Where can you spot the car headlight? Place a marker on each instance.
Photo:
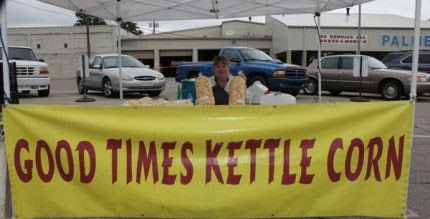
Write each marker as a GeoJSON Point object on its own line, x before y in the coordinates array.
{"type": "Point", "coordinates": [44, 71]}
{"type": "Point", "coordinates": [126, 77]}
{"type": "Point", "coordinates": [160, 77]}
{"type": "Point", "coordinates": [279, 74]}
{"type": "Point", "coordinates": [421, 78]}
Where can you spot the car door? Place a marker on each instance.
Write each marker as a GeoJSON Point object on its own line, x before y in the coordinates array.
{"type": "Point", "coordinates": [329, 73]}
{"type": "Point", "coordinates": [94, 72]}
{"type": "Point", "coordinates": [347, 81]}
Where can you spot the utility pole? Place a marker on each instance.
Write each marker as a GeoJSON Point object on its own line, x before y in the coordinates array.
{"type": "Point", "coordinates": [88, 35]}
{"type": "Point", "coordinates": [153, 25]}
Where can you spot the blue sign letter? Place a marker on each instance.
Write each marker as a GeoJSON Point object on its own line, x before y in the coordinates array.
{"type": "Point", "coordinates": [385, 39]}
{"type": "Point", "coordinates": [395, 41]}
{"type": "Point", "coordinates": [427, 41]}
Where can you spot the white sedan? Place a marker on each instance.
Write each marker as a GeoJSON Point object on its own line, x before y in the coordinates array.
{"type": "Point", "coordinates": [104, 76]}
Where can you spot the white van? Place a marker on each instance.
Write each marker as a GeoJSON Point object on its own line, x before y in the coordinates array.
{"type": "Point", "coordinates": [32, 73]}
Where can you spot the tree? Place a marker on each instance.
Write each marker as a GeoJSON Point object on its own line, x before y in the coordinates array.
{"type": "Point", "coordinates": [85, 19]}
{"type": "Point", "coordinates": [131, 27]}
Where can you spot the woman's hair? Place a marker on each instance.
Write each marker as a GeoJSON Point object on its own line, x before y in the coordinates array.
{"type": "Point", "coordinates": [220, 60]}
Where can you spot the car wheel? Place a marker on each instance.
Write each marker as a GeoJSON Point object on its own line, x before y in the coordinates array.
{"type": "Point", "coordinates": [81, 86]}
{"type": "Point", "coordinates": [43, 93]}
{"type": "Point", "coordinates": [154, 93]}
{"type": "Point", "coordinates": [107, 87]}
{"type": "Point", "coordinates": [391, 90]}
{"type": "Point", "coordinates": [261, 79]}
{"type": "Point", "coordinates": [335, 92]}
{"type": "Point", "coordinates": [311, 87]}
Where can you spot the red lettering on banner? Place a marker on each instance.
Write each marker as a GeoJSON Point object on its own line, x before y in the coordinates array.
{"type": "Point", "coordinates": [186, 162]}
{"type": "Point", "coordinates": [395, 159]}
{"type": "Point", "coordinates": [271, 144]}
{"type": "Point", "coordinates": [306, 178]}
{"type": "Point", "coordinates": [355, 143]}
{"type": "Point", "coordinates": [147, 160]}
{"type": "Point", "coordinates": [65, 146]}
{"type": "Point", "coordinates": [168, 179]}
{"type": "Point", "coordinates": [287, 177]}
{"type": "Point", "coordinates": [129, 161]}
{"type": "Point", "coordinates": [26, 175]}
{"type": "Point", "coordinates": [85, 147]}
{"type": "Point", "coordinates": [232, 178]}
{"type": "Point", "coordinates": [45, 177]}
{"type": "Point", "coordinates": [114, 145]}
{"type": "Point", "coordinates": [43, 151]}
{"type": "Point", "coordinates": [333, 175]}
{"type": "Point", "coordinates": [212, 161]}
{"type": "Point", "coordinates": [252, 146]}
{"type": "Point", "coordinates": [372, 161]}
{"type": "Point", "coordinates": [47, 159]}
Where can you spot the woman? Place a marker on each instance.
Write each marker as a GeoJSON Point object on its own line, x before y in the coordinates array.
{"type": "Point", "coordinates": [221, 80]}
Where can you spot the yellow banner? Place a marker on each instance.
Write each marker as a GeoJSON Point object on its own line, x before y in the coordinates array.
{"type": "Point", "coordinates": [337, 159]}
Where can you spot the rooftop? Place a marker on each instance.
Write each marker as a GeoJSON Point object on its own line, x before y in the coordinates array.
{"type": "Point", "coordinates": [343, 20]}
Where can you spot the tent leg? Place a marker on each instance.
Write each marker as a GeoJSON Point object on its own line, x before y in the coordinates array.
{"type": "Point", "coordinates": [6, 90]}
{"type": "Point", "coordinates": [319, 57]}
{"type": "Point", "coordinates": [413, 91]}
{"type": "Point", "coordinates": [118, 36]}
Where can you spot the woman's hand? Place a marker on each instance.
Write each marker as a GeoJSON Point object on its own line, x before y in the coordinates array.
{"type": "Point", "coordinates": [242, 75]}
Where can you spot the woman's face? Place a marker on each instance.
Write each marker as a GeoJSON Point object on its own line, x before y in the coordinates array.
{"type": "Point", "coordinates": [221, 71]}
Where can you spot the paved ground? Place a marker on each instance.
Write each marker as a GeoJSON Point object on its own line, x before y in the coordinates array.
{"type": "Point", "coordinates": [64, 92]}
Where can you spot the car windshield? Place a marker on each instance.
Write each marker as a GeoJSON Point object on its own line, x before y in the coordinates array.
{"type": "Point", "coordinates": [127, 62]}
{"type": "Point", "coordinates": [250, 54]}
{"type": "Point", "coordinates": [376, 64]}
{"type": "Point", "coordinates": [20, 54]}
{"type": "Point", "coordinates": [390, 57]}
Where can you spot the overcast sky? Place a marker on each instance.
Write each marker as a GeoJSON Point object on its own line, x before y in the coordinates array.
{"type": "Point", "coordinates": [31, 13]}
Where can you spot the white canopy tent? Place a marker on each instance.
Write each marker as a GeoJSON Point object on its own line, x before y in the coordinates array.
{"type": "Point", "coordinates": [150, 10]}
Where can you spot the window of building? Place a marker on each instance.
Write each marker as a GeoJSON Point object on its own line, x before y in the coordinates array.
{"type": "Point", "coordinates": [38, 46]}
{"type": "Point", "coordinates": [66, 46]}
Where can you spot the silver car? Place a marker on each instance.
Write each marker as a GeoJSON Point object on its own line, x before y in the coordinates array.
{"type": "Point", "coordinates": [337, 76]}
{"type": "Point", "coordinates": [136, 77]}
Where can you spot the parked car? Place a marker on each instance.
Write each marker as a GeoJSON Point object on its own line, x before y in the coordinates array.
{"type": "Point", "coordinates": [403, 60]}
{"type": "Point", "coordinates": [32, 73]}
{"type": "Point", "coordinates": [256, 65]}
{"type": "Point", "coordinates": [136, 77]}
{"type": "Point", "coordinates": [337, 76]}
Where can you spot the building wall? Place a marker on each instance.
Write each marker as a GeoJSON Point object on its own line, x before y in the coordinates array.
{"type": "Point", "coordinates": [242, 29]}
{"type": "Point", "coordinates": [192, 33]}
{"type": "Point", "coordinates": [49, 43]}
{"type": "Point", "coordinates": [287, 39]}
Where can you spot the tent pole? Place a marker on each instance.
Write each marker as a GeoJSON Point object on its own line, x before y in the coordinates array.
{"type": "Point", "coordinates": [413, 92]}
{"type": "Point", "coordinates": [118, 36]}
{"type": "Point", "coordinates": [319, 57]}
{"type": "Point", "coordinates": [6, 83]}
{"type": "Point", "coordinates": [6, 90]}
{"type": "Point", "coordinates": [359, 31]}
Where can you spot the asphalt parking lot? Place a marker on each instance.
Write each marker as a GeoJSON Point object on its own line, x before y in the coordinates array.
{"type": "Point", "coordinates": [64, 91]}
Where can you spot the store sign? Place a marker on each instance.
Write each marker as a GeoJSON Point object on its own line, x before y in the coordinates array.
{"type": "Point", "coordinates": [343, 39]}
{"type": "Point", "coordinates": [300, 160]}
{"type": "Point", "coordinates": [403, 40]}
